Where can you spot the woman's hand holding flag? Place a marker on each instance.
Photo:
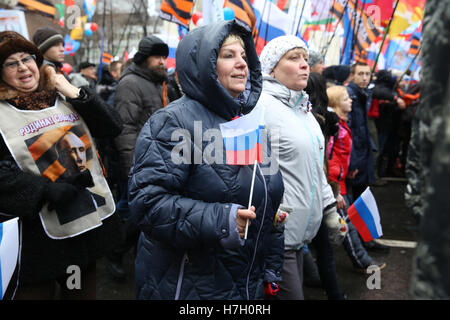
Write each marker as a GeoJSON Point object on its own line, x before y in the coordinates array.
{"type": "Point", "coordinates": [244, 215]}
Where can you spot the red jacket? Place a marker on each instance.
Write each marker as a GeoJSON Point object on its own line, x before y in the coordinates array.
{"type": "Point", "coordinates": [339, 150]}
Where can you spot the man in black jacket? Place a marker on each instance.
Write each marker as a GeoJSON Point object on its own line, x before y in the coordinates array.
{"type": "Point", "coordinates": [139, 94]}
{"type": "Point", "coordinates": [391, 107]}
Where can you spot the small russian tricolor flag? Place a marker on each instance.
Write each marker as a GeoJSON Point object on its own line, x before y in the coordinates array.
{"type": "Point", "coordinates": [364, 215]}
{"type": "Point", "coordinates": [243, 139]}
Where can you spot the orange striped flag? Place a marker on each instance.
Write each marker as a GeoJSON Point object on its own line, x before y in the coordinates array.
{"type": "Point", "coordinates": [107, 58]}
{"type": "Point", "coordinates": [338, 8]}
{"type": "Point", "coordinates": [178, 11]}
{"type": "Point", "coordinates": [415, 44]}
{"type": "Point", "coordinates": [359, 22]}
{"type": "Point", "coordinates": [243, 11]}
{"type": "Point", "coordinates": [41, 6]}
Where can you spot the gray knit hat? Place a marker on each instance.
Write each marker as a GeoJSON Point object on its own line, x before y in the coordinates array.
{"type": "Point", "coordinates": [314, 58]}
{"type": "Point", "coordinates": [45, 38]}
{"type": "Point", "coordinates": [276, 49]}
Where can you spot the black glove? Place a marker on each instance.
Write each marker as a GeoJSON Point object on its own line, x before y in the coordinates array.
{"type": "Point", "coordinates": [331, 123]}
{"type": "Point", "coordinates": [81, 180]}
{"type": "Point", "coordinates": [58, 194]}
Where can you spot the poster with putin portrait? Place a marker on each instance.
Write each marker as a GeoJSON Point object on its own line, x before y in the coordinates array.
{"type": "Point", "coordinates": [56, 144]}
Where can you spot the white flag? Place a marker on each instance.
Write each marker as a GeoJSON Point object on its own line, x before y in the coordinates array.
{"type": "Point", "coordinates": [9, 252]}
{"type": "Point", "coordinates": [212, 11]}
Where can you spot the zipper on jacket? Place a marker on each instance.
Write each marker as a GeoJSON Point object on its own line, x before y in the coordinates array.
{"type": "Point", "coordinates": [313, 191]}
{"type": "Point", "coordinates": [184, 261]}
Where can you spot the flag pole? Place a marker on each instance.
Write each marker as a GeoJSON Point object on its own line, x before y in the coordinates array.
{"type": "Point", "coordinates": [251, 195]}
{"type": "Point", "coordinates": [384, 36]}
{"type": "Point", "coordinates": [355, 35]}
{"type": "Point", "coordinates": [100, 67]}
{"type": "Point", "coordinates": [355, 30]}
{"type": "Point", "coordinates": [300, 19]}
{"type": "Point", "coordinates": [324, 52]}
{"type": "Point", "coordinates": [260, 24]}
{"type": "Point", "coordinates": [295, 15]}
{"type": "Point", "coordinates": [267, 27]}
{"type": "Point", "coordinates": [347, 33]}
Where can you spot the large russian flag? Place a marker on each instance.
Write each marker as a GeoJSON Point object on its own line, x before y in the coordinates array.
{"type": "Point", "coordinates": [271, 22]}
{"type": "Point", "coordinates": [364, 215]}
{"type": "Point", "coordinates": [9, 252]}
{"type": "Point", "coordinates": [243, 139]}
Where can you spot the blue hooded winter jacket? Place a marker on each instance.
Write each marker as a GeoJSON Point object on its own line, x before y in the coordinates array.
{"type": "Point", "coordinates": [189, 247]}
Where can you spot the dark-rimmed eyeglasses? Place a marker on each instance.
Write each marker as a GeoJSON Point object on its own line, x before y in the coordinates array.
{"type": "Point", "coordinates": [13, 65]}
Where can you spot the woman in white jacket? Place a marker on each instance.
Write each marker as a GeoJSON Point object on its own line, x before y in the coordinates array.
{"type": "Point", "coordinates": [298, 141]}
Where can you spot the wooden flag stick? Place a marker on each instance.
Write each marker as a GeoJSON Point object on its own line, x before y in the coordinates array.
{"type": "Point", "coordinates": [251, 195]}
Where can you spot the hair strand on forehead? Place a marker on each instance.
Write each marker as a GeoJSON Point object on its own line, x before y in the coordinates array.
{"type": "Point", "coordinates": [303, 52]}
{"type": "Point", "coordinates": [356, 64]}
{"type": "Point", "coordinates": [232, 38]}
{"type": "Point", "coordinates": [276, 48]}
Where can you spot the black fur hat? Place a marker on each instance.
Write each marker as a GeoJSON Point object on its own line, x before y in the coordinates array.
{"type": "Point", "coordinates": [150, 46]}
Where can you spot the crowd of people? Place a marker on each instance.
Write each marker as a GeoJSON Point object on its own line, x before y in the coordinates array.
{"type": "Point", "coordinates": [102, 181]}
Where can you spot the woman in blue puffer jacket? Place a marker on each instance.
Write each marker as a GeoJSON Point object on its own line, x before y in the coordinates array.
{"type": "Point", "coordinates": [192, 213]}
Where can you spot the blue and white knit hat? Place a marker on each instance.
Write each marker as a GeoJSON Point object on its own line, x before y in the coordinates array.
{"type": "Point", "coordinates": [276, 49]}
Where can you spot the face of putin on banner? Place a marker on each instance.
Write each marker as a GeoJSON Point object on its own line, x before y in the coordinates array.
{"type": "Point", "coordinates": [72, 145]}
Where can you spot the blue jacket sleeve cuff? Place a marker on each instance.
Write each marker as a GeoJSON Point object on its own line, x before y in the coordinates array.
{"type": "Point", "coordinates": [233, 240]}
{"type": "Point", "coordinates": [272, 276]}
